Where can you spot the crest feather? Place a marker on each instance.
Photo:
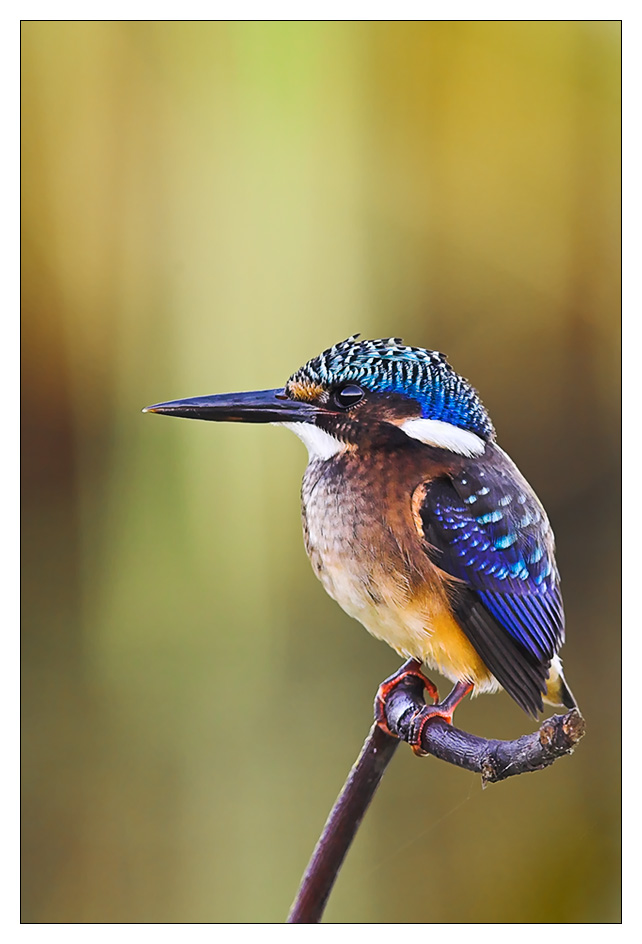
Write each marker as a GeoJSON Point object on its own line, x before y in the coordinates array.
{"type": "Point", "coordinates": [387, 365]}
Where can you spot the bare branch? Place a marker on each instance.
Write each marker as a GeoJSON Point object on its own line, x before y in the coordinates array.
{"type": "Point", "coordinates": [341, 827]}
{"type": "Point", "coordinates": [405, 708]}
{"type": "Point", "coordinates": [494, 760]}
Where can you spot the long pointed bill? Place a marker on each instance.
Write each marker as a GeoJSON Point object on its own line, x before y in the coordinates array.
{"type": "Point", "coordinates": [256, 406]}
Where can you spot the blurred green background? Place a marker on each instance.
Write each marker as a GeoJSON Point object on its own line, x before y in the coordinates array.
{"type": "Point", "coordinates": [205, 207]}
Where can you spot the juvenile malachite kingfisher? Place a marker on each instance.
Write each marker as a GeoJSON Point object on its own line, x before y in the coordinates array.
{"type": "Point", "coordinates": [415, 521]}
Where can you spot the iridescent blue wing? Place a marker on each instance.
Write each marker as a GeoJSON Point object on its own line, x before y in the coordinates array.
{"type": "Point", "coordinates": [485, 526]}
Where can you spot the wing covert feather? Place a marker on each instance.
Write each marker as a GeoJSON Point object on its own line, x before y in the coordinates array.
{"type": "Point", "coordinates": [485, 526]}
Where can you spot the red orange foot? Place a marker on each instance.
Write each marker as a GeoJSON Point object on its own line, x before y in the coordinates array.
{"type": "Point", "coordinates": [444, 709]}
{"type": "Point", "coordinates": [410, 668]}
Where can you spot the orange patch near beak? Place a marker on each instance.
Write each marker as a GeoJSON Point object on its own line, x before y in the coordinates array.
{"type": "Point", "coordinates": [305, 391]}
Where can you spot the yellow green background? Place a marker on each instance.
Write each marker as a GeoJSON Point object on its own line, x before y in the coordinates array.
{"type": "Point", "coordinates": [205, 207]}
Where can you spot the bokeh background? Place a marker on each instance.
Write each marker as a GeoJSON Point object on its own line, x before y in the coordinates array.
{"type": "Point", "coordinates": [205, 207]}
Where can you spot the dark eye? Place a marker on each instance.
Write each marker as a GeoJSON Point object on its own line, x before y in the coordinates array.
{"type": "Point", "coordinates": [347, 396]}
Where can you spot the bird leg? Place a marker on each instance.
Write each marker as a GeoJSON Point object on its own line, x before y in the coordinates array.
{"type": "Point", "coordinates": [410, 668]}
{"type": "Point", "coordinates": [444, 709]}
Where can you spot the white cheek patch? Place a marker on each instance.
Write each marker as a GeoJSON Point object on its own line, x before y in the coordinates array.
{"type": "Point", "coordinates": [445, 436]}
{"type": "Point", "coordinates": [320, 445]}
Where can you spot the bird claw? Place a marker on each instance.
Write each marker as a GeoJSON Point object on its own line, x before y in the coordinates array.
{"type": "Point", "coordinates": [419, 722]}
{"type": "Point", "coordinates": [410, 668]}
{"type": "Point", "coordinates": [422, 716]}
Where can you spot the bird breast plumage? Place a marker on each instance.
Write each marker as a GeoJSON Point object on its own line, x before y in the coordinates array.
{"type": "Point", "coordinates": [365, 548]}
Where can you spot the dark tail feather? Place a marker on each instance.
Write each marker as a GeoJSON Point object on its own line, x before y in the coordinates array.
{"type": "Point", "coordinates": [567, 695]}
{"type": "Point", "coordinates": [558, 693]}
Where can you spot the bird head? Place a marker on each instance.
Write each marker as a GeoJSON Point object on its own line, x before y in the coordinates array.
{"type": "Point", "coordinates": [360, 393]}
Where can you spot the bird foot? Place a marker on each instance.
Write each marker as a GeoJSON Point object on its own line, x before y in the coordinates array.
{"type": "Point", "coordinates": [443, 710]}
{"type": "Point", "coordinates": [409, 669]}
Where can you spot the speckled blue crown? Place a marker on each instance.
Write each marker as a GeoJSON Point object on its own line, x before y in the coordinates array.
{"type": "Point", "coordinates": [389, 366]}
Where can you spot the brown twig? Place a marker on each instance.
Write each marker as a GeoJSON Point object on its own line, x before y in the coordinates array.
{"type": "Point", "coordinates": [341, 827]}
{"type": "Point", "coordinates": [494, 760]}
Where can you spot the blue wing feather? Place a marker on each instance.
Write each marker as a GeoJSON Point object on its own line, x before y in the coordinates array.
{"type": "Point", "coordinates": [486, 527]}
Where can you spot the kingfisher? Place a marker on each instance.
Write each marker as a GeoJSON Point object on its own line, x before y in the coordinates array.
{"type": "Point", "coordinates": [416, 522]}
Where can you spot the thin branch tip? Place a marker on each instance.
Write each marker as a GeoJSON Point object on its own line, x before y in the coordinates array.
{"type": "Point", "coordinates": [495, 760]}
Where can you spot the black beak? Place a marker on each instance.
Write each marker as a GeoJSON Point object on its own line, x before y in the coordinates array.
{"type": "Point", "coordinates": [256, 406]}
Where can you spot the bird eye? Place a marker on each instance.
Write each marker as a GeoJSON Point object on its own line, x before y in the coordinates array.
{"type": "Point", "coordinates": [347, 396]}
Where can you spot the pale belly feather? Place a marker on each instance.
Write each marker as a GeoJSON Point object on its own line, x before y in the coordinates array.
{"type": "Point", "coordinates": [390, 586]}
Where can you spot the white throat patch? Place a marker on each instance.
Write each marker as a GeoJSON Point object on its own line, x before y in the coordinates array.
{"type": "Point", "coordinates": [445, 436]}
{"type": "Point", "coordinates": [320, 445]}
